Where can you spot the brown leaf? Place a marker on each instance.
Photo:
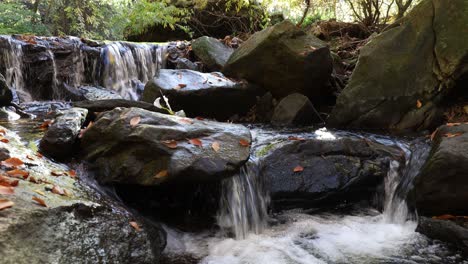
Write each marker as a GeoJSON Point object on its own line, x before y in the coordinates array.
{"type": "Point", "coordinates": [186, 121]}
{"type": "Point", "coordinates": [244, 143]}
{"type": "Point", "coordinates": [6, 190]}
{"type": "Point", "coordinates": [296, 138]}
{"type": "Point", "coordinates": [33, 179]}
{"type": "Point", "coordinates": [197, 142]}
{"type": "Point", "coordinates": [4, 181]}
{"type": "Point", "coordinates": [12, 162]}
{"type": "Point", "coordinates": [135, 225]}
{"type": "Point", "coordinates": [453, 124]}
{"type": "Point", "coordinates": [45, 124]}
{"type": "Point", "coordinates": [180, 86]}
{"type": "Point", "coordinates": [199, 118]}
{"type": "Point", "coordinates": [135, 121]}
{"type": "Point", "coordinates": [40, 192]}
{"type": "Point", "coordinates": [72, 173]}
{"type": "Point", "coordinates": [39, 155]}
{"type": "Point", "coordinates": [444, 217]}
{"type": "Point", "coordinates": [57, 190]}
{"type": "Point", "coordinates": [298, 169]}
{"type": "Point", "coordinates": [216, 146]}
{"type": "Point", "coordinates": [418, 104]}
{"type": "Point", "coordinates": [57, 173]}
{"type": "Point", "coordinates": [2, 132]}
{"type": "Point", "coordinates": [5, 203]}
{"type": "Point", "coordinates": [451, 135]}
{"type": "Point", "coordinates": [16, 173]}
{"type": "Point", "coordinates": [170, 143]}
{"type": "Point", "coordinates": [4, 140]}
{"type": "Point", "coordinates": [39, 201]}
{"type": "Point", "coordinates": [29, 157]}
{"type": "Point", "coordinates": [161, 174]}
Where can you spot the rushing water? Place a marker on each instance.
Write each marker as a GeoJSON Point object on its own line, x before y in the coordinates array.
{"type": "Point", "coordinates": [294, 237]}
{"type": "Point", "coordinates": [122, 66]}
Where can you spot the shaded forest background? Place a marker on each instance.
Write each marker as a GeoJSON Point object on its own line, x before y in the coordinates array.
{"type": "Point", "coordinates": [162, 20]}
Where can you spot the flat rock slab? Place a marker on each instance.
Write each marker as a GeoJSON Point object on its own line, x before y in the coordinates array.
{"type": "Point", "coordinates": [136, 146]}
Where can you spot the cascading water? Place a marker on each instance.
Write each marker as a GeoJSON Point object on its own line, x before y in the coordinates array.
{"type": "Point", "coordinates": [12, 56]}
{"type": "Point", "coordinates": [365, 236]}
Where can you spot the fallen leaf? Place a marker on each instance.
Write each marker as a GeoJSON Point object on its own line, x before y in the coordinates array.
{"type": "Point", "coordinates": [6, 190]}
{"type": "Point", "coordinates": [2, 132]}
{"type": "Point", "coordinates": [39, 201]}
{"type": "Point", "coordinates": [16, 173]}
{"type": "Point", "coordinates": [29, 157]}
{"type": "Point", "coordinates": [39, 155]}
{"type": "Point", "coordinates": [12, 163]}
{"type": "Point", "coordinates": [135, 225]}
{"type": "Point", "coordinates": [180, 86]}
{"type": "Point", "coordinates": [434, 134]}
{"type": "Point", "coordinates": [161, 174]}
{"type": "Point", "coordinates": [170, 143]}
{"type": "Point", "coordinates": [4, 181]}
{"type": "Point", "coordinates": [72, 173]}
{"type": "Point", "coordinates": [453, 124]}
{"type": "Point", "coordinates": [40, 192]}
{"type": "Point", "coordinates": [296, 138]}
{"type": "Point", "coordinates": [186, 121]}
{"type": "Point", "coordinates": [451, 135]}
{"type": "Point", "coordinates": [5, 203]}
{"type": "Point", "coordinates": [298, 169]}
{"type": "Point", "coordinates": [418, 104]}
{"type": "Point", "coordinates": [57, 190]}
{"type": "Point", "coordinates": [45, 124]}
{"type": "Point", "coordinates": [197, 142]}
{"type": "Point", "coordinates": [57, 173]}
{"type": "Point", "coordinates": [4, 140]}
{"type": "Point", "coordinates": [216, 146]}
{"type": "Point", "coordinates": [444, 217]}
{"type": "Point", "coordinates": [33, 179]}
{"type": "Point", "coordinates": [135, 121]}
{"type": "Point", "coordinates": [67, 193]}
{"type": "Point", "coordinates": [244, 143]}
{"type": "Point", "coordinates": [199, 118]}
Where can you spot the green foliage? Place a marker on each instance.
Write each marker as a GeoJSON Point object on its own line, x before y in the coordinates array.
{"type": "Point", "coordinates": [15, 18]}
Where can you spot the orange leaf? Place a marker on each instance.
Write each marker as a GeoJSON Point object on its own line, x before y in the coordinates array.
{"type": "Point", "coordinates": [72, 173]}
{"type": "Point", "coordinates": [16, 173]}
{"type": "Point", "coordinates": [296, 138]}
{"type": "Point", "coordinates": [197, 142]}
{"type": "Point", "coordinates": [5, 203]}
{"type": "Point", "coordinates": [180, 86]}
{"type": "Point", "coordinates": [452, 124]}
{"type": "Point", "coordinates": [298, 169]}
{"type": "Point", "coordinates": [418, 104]}
{"type": "Point", "coordinates": [29, 157]}
{"type": "Point", "coordinates": [45, 124]}
{"type": "Point", "coordinates": [135, 121]}
{"type": "Point", "coordinates": [39, 201]}
{"type": "Point", "coordinates": [12, 162]}
{"type": "Point", "coordinates": [244, 143]}
{"type": "Point", "coordinates": [451, 135]}
{"type": "Point", "coordinates": [57, 190]}
{"type": "Point", "coordinates": [7, 183]}
{"type": "Point", "coordinates": [4, 140]}
{"type": "Point", "coordinates": [135, 225]}
{"type": "Point", "coordinates": [170, 143]}
{"type": "Point", "coordinates": [6, 190]}
{"type": "Point", "coordinates": [57, 173]}
{"type": "Point", "coordinates": [215, 146]}
{"type": "Point", "coordinates": [39, 155]}
{"type": "Point", "coordinates": [161, 174]}
{"type": "Point", "coordinates": [199, 118]}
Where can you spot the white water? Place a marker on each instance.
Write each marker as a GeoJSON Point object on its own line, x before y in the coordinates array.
{"type": "Point", "coordinates": [14, 66]}
{"type": "Point", "coordinates": [366, 236]}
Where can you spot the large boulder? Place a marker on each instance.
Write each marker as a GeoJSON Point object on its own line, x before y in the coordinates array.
{"type": "Point", "coordinates": [441, 186]}
{"type": "Point", "coordinates": [136, 146]}
{"type": "Point", "coordinates": [284, 59]}
{"type": "Point", "coordinates": [212, 52]}
{"type": "Point", "coordinates": [445, 230]}
{"type": "Point", "coordinates": [404, 75]}
{"type": "Point", "coordinates": [60, 138]}
{"type": "Point", "coordinates": [202, 94]}
{"type": "Point", "coordinates": [295, 109]}
{"type": "Point", "coordinates": [75, 225]}
{"type": "Point", "coordinates": [314, 172]}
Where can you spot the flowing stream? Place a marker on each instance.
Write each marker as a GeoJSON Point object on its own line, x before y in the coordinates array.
{"type": "Point", "coordinates": [249, 235]}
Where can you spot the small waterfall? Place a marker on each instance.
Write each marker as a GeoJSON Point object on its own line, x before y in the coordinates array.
{"type": "Point", "coordinates": [244, 203]}
{"type": "Point", "coordinates": [14, 66]}
{"type": "Point", "coordinates": [56, 92]}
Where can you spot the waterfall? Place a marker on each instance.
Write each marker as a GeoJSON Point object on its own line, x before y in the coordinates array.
{"type": "Point", "coordinates": [12, 56]}
{"type": "Point", "coordinates": [244, 203]}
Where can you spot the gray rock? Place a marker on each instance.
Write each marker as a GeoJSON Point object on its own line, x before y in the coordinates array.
{"type": "Point", "coordinates": [212, 52]}
{"type": "Point", "coordinates": [92, 93]}
{"type": "Point", "coordinates": [283, 59]}
{"type": "Point", "coordinates": [186, 64]}
{"type": "Point", "coordinates": [59, 140]}
{"type": "Point", "coordinates": [157, 149]}
{"type": "Point", "coordinates": [391, 78]}
{"type": "Point", "coordinates": [334, 171]}
{"type": "Point", "coordinates": [441, 186]}
{"type": "Point", "coordinates": [444, 230]}
{"type": "Point", "coordinates": [295, 109]}
{"type": "Point", "coordinates": [202, 94]}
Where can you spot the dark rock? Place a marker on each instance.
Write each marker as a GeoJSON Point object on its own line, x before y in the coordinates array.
{"type": "Point", "coordinates": [60, 138]}
{"type": "Point", "coordinates": [334, 172]}
{"type": "Point", "coordinates": [44, 107]}
{"type": "Point", "coordinates": [283, 59]}
{"type": "Point", "coordinates": [157, 149]}
{"type": "Point", "coordinates": [212, 52]}
{"type": "Point", "coordinates": [441, 186]}
{"type": "Point", "coordinates": [186, 64]}
{"type": "Point", "coordinates": [417, 60]}
{"type": "Point", "coordinates": [109, 104]}
{"type": "Point", "coordinates": [444, 230]}
{"type": "Point", "coordinates": [264, 108]}
{"type": "Point", "coordinates": [6, 95]}
{"type": "Point", "coordinates": [202, 94]}
{"type": "Point", "coordinates": [295, 109]}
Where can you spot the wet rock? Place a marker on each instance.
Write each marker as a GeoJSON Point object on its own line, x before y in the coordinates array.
{"type": "Point", "coordinates": [441, 186]}
{"type": "Point", "coordinates": [44, 107]}
{"type": "Point", "coordinates": [186, 64]}
{"type": "Point", "coordinates": [295, 109]}
{"type": "Point", "coordinates": [109, 104]}
{"type": "Point", "coordinates": [7, 114]}
{"type": "Point", "coordinates": [444, 230]}
{"type": "Point", "coordinates": [283, 59]}
{"type": "Point", "coordinates": [212, 52]}
{"type": "Point", "coordinates": [161, 148]}
{"type": "Point", "coordinates": [6, 95]}
{"type": "Point", "coordinates": [80, 226]}
{"type": "Point", "coordinates": [92, 93]}
{"type": "Point", "coordinates": [405, 86]}
{"type": "Point", "coordinates": [264, 108]}
{"type": "Point", "coordinates": [202, 94]}
{"type": "Point", "coordinates": [60, 138]}
{"type": "Point", "coordinates": [310, 173]}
